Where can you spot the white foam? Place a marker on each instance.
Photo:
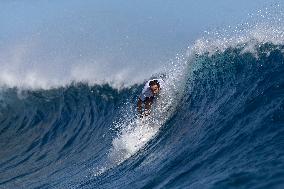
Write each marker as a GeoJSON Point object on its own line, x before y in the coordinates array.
{"type": "Point", "coordinates": [22, 65]}
{"type": "Point", "coordinates": [264, 27]}
{"type": "Point", "coordinates": [130, 141]}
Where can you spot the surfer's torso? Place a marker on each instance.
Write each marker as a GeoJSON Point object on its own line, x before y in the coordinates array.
{"type": "Point", "coordinates": [147, 92]}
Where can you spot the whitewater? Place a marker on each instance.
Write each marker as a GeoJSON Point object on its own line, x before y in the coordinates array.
{"type": "Point", "coordinates": [219, 122]}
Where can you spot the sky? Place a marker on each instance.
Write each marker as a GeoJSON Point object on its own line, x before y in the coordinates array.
{"type": "Point", "coordinates": [51, 41]}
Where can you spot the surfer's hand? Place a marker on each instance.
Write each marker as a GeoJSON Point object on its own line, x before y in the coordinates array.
{"type": "Point", "coordinates": [147, 112]}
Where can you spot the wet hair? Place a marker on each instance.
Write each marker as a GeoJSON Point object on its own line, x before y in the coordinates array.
{"type": "Point", "coordinates": [154, 82]}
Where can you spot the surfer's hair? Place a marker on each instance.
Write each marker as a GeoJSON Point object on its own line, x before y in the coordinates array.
{"type": "Point", "coordinates": [154, 82]}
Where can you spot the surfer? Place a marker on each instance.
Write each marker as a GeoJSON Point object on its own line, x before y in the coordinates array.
{"type": "Point", "coordinates": [149, 92]}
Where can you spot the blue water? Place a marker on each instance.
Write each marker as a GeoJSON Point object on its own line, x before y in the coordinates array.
{"type": "Point", "coordinates": [225, 130]}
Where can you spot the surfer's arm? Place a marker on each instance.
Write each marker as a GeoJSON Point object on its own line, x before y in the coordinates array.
{"type": "Point", "coordinates": [148, 104]}
{"type": "Point", "coordinates": [139, 106]}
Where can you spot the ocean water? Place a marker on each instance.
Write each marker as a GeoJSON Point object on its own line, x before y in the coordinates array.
{"type": "Point", "coordinates": [219, 123]}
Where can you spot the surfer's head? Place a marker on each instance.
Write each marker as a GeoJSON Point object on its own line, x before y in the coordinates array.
{"type": "Point", "coordinates": [155, 86]}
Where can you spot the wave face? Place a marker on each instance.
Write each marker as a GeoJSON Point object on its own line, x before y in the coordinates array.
{"type": "Point", "coordinates": [219, 124]}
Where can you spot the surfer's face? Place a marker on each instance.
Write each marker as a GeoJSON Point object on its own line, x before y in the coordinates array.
{"type": "Point", "coordinates": [155, 89]}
